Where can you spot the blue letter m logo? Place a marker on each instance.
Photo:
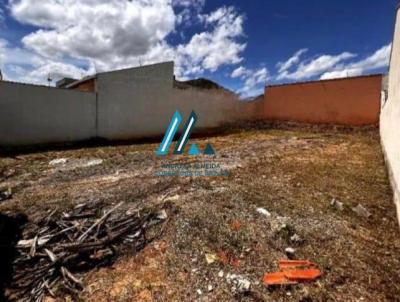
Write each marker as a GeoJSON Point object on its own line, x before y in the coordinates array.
{"type": "Point", "coordinates": [180, 145]}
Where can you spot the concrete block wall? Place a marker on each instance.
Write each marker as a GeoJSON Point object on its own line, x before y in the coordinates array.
{"type": "Point", "coordinates": [140, 102]}
{"type": "Point", "coordinates": [390, 117]}
{"type": "Point", "coordinates": [36, 114]}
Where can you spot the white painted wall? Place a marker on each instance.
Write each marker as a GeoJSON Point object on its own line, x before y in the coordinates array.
{"type": "Point", "coordinates": [35, 114]}
{"type": "Point", "coordinates": [390, 118]}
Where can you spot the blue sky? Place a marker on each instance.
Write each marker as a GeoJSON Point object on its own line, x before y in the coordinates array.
{"type": "Point", "coordinates": [241, 44]}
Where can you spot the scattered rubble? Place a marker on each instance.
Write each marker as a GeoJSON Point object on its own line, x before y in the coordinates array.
{"type": "Point", "coordinates": [337, 204]}
{"type": "Point", "coordinates": [58, 247]}
{"type": "Point", "coordinates": [211, 258]}
{"type": "Point", "coordinates": [74, 163]}
{"type": "Point", "coordinates": [239, 283]}
{"type": "Point", "coordinates": [58, 161]}
{"type": "Point", "coordinates": [362, 211]}
{"type": "Point", "coordinates": [264, 212]}
{"type": "Point", "coordinates": [202, 216]}
{"type": "Point", "coordinates": [296, 239]}
{"type": "Point", "coordinates": [290, 251]}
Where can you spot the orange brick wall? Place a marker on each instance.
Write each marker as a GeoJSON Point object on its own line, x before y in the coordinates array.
{"type": "Point", "coordinates": [86, 86]}
{"type": "Point", "coordinates": [349, 101]}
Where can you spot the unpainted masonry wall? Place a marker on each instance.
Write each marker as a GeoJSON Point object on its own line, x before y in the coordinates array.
{"type": "Point", "coordinates": [140, 102]}
{"type": "Point", "coordinates": [390, 118]}
{"type": "Point", "coordinates": [35, 115]}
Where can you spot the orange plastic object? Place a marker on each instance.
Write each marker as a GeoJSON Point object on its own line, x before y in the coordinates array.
{"type": "Point", "coordinates": [277, 278]}
{"type": "Point", "coordinates": [288, 264]}
{"type": "Point", "coordinates": [302, 274]}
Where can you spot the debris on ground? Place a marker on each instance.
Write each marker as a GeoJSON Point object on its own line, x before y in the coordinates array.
{"type": "Point", "coordinates": [362, 211]}
{"type": "Point", "coordinates": [240, 284]}
{"type": "Point", "coordinates": [74, 163]}
{"type": "Point", "coordinates": [58, 161]}
{"type": "Point", "coordinates": [296, 239]}
{"type": "Point", "coordinates": [277, 278]}
{"type": "Point", "coordinates": [59, 247]}
{"type": "Point", "coordinates": [337, 204]}
{"type": "Point", "coordinates": [290, 251]}
{"type": "Point", "coordinates": [287, 264]}
{"type": "Point", "coordinates": [264, 212]}
{"type": "Point", "coordinates": [5, 194]}
{"type": "Point", "coordinates": [211, 258]}
{"type": "Point", "coordinates": [297, 191]}
{"type": "Point", "coordinates": [292, 272]}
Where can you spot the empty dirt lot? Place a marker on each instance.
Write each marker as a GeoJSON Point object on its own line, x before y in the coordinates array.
{"type": "Point", "coordinates": [214, 229]}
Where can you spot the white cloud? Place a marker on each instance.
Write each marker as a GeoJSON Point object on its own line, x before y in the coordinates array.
{"type": "Point", "coordinates": [189, 10]}
{"type": "Point", "coordinates": [95, 29]}
{"type": "Point", "coordinates": [254, 80]}
{"type": "Point", "coordinates": [283, 66]}
{"type": "Point", "coordinates": [259, 76]}
{"type": "Point", "coordinates": [315, 66]}
{"type": "Point", "coordinates": [331, 66]}
{"type": "Point", "coordinates": [19, 64]}
{"type": "Point", "coordinates": [341, 74]}
{"type": "Point", "coordinates": [379, 59]}
{"type": "Point", "coordinates": [218, 46]}
{"type": "Point", "coordinates": [113, 34]}
{"type": "Point", "coordinates": [239, 72]}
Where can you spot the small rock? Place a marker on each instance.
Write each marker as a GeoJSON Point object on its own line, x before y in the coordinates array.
{"type": "Point", "coordinates": [94, 162]}
{"type": "Point", "coordinates": [361, 211]}
{"type": "Point", "coordinates": [239, 283]}
{"type": "Point", "coordinates": [221, 274]}
{"type": "Point", "coordinates": [211, 258]}
{"type": "Point", "coordinates": [337, 204]}
{"type": "Point", "coordinates": [162, 215]}
{"type": "Point", "coordinates": [199, 292]}
{"type": "Point", "coordinates": [173, 198]}
{"type": "Point", "coordinates": [296, 239]}
{"type": "Point", "coordinates": [264, 212]}
{"type": "Point", "coordinates": [290, 251]}
{"type": "Point", "coordinates": [58, 161]}
{"type": "Point", "coordinates": [210, 288]}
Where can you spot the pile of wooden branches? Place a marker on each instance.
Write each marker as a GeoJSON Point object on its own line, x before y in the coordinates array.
{"type": "Point", "coordinates": [60, 246]}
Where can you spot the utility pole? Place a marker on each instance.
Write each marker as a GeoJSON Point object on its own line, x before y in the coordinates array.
{"type": "Point", "coordinates": [49, 80]}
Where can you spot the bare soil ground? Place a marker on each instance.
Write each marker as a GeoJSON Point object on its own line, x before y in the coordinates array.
{"type": "Point", "coordinates": [292, 173]}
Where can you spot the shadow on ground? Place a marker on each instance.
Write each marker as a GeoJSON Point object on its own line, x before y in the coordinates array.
{"type": "Point", "coordinates": [10, 232]}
